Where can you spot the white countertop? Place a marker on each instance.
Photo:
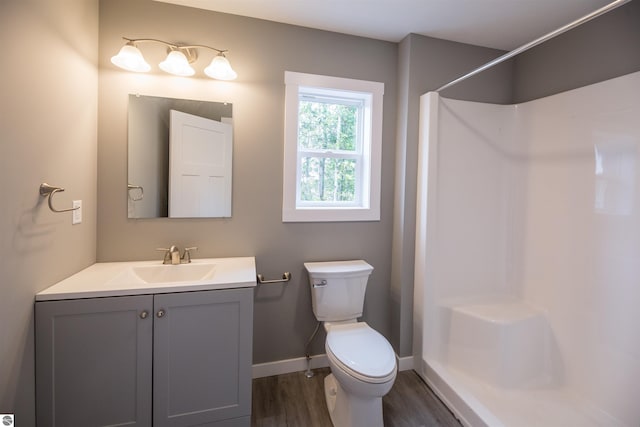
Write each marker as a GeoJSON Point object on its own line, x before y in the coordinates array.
{"type": "Point", "coordinates": [106, 279]}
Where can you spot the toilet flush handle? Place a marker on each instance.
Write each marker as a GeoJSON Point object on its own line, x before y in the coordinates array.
{"type": "Point", "coordinates": [318, 283]}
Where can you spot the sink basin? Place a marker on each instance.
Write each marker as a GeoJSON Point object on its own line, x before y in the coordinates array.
{"type": "Point", "coordinates": [166, 273]}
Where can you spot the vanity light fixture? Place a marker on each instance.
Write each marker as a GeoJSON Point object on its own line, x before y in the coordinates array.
{"type": "Point", "coordinates": [177, 62]}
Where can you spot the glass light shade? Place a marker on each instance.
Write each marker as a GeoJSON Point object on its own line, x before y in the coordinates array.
{"type": "Point", "coordinates": [220, 69]}
{"type": "Point", "coordinates": [177, 64]}
{"type": "Point", "coordinates": [130, 58]}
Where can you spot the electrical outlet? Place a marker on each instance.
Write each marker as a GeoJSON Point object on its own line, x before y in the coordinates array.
{"type": "Point", "coordinates": [77, 214]}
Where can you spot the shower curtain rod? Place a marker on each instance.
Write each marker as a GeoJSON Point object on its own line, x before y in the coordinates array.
{"type": "Point", "coordinates": [537, 41]}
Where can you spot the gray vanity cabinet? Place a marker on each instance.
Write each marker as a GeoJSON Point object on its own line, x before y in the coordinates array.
{"type": "Point", "coordinates": [94, 362]}
{"type": "Point", "coordinates": [179, 359]}
{"type": "Point", "coordinates": [202, 358]}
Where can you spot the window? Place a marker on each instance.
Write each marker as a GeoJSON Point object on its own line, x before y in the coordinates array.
{"type": "Point", "coordinates": [332, 149]}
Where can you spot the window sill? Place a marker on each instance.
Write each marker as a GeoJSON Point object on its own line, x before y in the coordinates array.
{"type": "Point", "coordinates": [330, 215]}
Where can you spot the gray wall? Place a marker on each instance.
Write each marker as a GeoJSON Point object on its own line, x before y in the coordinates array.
{"type": "Point", "coordinates": [601, 49]}
{"type": "Point", "coordinates": [48, 128]}
{"type": "Point", "coordinates": [260, 51]}
{"type": "Point", "coordinates": [425, 64]}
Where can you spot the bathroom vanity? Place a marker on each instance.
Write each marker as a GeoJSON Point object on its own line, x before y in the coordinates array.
{"type": "Point", "coordinates": [146, 344]}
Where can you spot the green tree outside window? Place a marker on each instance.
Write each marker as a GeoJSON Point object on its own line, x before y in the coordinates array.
{"type": "Point", "coordinates": [327, 126]}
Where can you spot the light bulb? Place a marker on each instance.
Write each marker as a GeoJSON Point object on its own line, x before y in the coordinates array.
{"type": "Point", "coordinates": [220, 69]}
{"type": "Point", "coordinates": [130, 58]}
{"type": "Point", "coordinates": [177, 64]}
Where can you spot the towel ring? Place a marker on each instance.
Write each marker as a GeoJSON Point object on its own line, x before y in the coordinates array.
{"type": "Point", "coordinates": [48, 191]}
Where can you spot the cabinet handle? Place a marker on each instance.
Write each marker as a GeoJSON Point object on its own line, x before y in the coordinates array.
{"type": "Point", "coordinates": [144, 314]}
{"type": "Point", "coordinates": [160, 313]}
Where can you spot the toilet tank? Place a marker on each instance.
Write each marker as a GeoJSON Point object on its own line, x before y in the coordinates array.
{"type": "Point", "coordinates": [338, 288]}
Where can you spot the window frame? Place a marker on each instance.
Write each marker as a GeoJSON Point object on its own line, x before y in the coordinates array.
{"type": "Point", "coordinates": [367, 205]}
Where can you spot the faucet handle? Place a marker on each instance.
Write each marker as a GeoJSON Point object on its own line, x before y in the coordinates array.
{"type": "Point", "coordinates": [186, 255]}
{"type": "Point", "coordinates": [167, 255]}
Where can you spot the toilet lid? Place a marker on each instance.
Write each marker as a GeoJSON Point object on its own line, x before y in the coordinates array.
{"type": "Point", "coordinates": [362, 350]}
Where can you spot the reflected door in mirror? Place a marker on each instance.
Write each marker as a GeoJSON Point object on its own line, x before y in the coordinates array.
{"type": "Point", "coordinates": [199, 167]}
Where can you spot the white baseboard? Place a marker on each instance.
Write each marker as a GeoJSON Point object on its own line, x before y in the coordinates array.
{"type": "Point", "coordinates": [287, 366]}
{"type": "Point", "coordinates": [405, 363]}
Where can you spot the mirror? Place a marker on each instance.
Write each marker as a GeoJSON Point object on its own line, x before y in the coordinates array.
{"type": "Point", "coordinates": [179, 158]}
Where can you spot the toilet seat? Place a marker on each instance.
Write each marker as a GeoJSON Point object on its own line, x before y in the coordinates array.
{"type": "Point", "coordinates": [362, 352]}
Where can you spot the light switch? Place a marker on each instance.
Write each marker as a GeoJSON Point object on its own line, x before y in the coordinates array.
{"type": "Point", "coordinates": [77, 214]}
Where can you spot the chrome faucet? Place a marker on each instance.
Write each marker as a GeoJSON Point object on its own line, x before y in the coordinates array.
{"type": "Point", "coordinates": [172, 255]}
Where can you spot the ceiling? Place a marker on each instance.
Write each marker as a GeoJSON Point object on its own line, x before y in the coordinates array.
{"type": "Point", "coordinates": [501, 24]}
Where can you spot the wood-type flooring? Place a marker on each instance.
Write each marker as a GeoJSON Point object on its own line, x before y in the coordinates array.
{"type": "Point", "coordinates": [292, 400]}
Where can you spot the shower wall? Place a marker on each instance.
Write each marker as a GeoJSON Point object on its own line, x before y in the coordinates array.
{"type": "Point", "coordinates": [582, 235]}
{"type": "Point", "coordinates": [537, 203]}
{"type": "Point", "coordinates": [466, 248]}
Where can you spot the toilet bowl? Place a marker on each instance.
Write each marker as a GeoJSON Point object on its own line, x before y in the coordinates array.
{"type": "Point", "coordinates": [363, 369]}
{"type": "Point", "coordinates": [363, 363]}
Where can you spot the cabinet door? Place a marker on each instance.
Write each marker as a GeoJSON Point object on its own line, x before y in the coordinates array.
{"type": "Point", "coordinates": [93, 362]}
{"type": "Point", "coordinates": [202, 357]}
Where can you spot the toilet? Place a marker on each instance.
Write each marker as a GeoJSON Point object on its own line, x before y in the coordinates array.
{"type": "Point", "coordinates": [363, 363]}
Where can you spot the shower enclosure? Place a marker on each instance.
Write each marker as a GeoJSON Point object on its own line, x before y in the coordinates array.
{"type": "Point", "coordinates": [527, 289]}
